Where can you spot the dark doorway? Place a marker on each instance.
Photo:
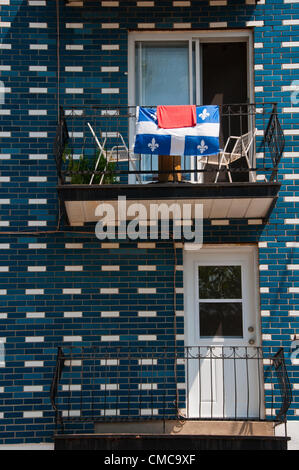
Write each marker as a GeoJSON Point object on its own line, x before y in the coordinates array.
{"type": "Point", "coordinates": [224, 78]}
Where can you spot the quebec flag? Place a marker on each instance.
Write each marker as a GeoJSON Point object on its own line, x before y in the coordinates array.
{"type": "Point", "coordinates": [199, 140]}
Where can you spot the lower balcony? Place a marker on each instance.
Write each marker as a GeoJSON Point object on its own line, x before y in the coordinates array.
{"type": "Point", "coordinates": [157, 398]}
{"type": "Point", "coordinates": [96, 165]}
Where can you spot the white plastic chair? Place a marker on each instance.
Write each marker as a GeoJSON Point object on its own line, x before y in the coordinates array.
{"type": "Point", "coordinates": [117, 154]}
{"type": "Point", "coordinates": [241, 148]}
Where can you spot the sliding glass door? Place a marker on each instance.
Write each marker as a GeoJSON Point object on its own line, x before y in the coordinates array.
{"type": "Point", "coordinates": [191, 70]}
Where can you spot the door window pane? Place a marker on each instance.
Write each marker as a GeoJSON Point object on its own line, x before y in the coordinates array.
{"type": "Point", "coordinates": [220, 282]}
{"type": "Point", "coordinates": [222, 319]}
{"type": "Point", "coordinates": [162, 73]}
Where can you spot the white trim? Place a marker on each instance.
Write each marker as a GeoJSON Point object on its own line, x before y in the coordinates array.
{"type": "Point", "coordinates": [205, 36]}
{"type": "Point", "coordinates": [196, 37]}
{"type": "Point", "coordinates": [225, 255]}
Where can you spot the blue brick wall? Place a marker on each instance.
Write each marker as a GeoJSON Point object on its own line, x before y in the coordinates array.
{"type": "Point", "coordinates": [35, 303]}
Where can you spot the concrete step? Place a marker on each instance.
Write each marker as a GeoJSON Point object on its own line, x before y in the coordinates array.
{"type": "Point", "coordinates": [190, 427]}
{"type": "Point", "coordinates": [164, 442]}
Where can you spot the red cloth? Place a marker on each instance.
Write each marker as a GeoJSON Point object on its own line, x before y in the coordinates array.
{"type": "Point", "coordinates": [171, 117]}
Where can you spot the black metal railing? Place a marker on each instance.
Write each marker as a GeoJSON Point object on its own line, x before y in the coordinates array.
{"type": "Point", "coordinates": [216, 383]}
{"type": "Point", "coordinates": [80, 161]}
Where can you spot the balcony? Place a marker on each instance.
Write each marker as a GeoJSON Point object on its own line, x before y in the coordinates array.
{"type": "Point", "coordinates": [95, 164]}
{"type": "Point", "coordinates": [149, 392]}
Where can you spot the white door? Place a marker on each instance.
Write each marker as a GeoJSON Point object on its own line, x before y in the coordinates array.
{"type": "Point", "coordinates": [223, 359]}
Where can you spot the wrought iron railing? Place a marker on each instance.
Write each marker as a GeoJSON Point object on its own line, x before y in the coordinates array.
{"type": "Point", "coordinates": [80, 161]}
{"type": "Point", "coordinates": [96, 384]}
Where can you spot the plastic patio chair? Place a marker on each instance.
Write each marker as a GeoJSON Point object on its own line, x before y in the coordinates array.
{"type": "Point", "coordinates": [241, 148]}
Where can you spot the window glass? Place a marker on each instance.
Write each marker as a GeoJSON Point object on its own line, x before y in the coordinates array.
{"type": "Point", "coordinates": [219, 282]}
{"type": "Point", "coordinates": [162, 73]}
{"type": "Point", "coordinates": [218, 316]}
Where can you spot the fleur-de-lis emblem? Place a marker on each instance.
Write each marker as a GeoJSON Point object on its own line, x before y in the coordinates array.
{"type": "Point", "coordinates": [204, 115]}
{"type": "Point", "coordinates": [153, 145]}
{"type": "Point", "coordinates": [202, 147]}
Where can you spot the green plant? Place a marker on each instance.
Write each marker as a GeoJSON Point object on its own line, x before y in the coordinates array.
{"type": "Point", "coordinates": [81, 170]}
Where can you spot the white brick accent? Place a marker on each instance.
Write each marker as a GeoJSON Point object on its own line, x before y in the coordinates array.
{"type": "Point", "coordinates": [109, 386]}
{"type": "Point", "coordinates": [109, 314]}
{"type": "Point", "coordinates": [74, 245]}
{"type": "Point", "coordinates": [289, 66]}
{"type": "Point", "coordinates": [181, 4]}
{"type": "Point", "coordinates": [71, 291]}
{"type": "Point", "coordinates": [32, 414]}
{"type": "Point", "coordinates": [109, 290]}
{"type": "Point", "coordinates": [181, 25]}
{"type": "Point", "coordinates": [147, 338]}
{"type": "Point", "coordinates": [73, 268]}
{"type": "Point", "coordinates": [110, 69]}
{"type": "Point", "coordinates": [219, 222]}
{"type": "Point", "coordinates": [36, 269]}
{"type": "Point", "coordinates": [146, 245]}
{"type": "Point", "coordinates": [72, 339]}
{"type": "Point", "coordinates": [74, 47]}
{"type": "Point", "coordinates": [33, 388]}
{"type": "Point", "coordinates": [109, 338]}
{"type": "Point", "coordinates": [263, 244]}
{"type": "Point", "coordinates": [34, 339]}
{"type": "Point", "coordinates": [110, 4]}
{"type": "Point", "coordinates": [147, 313]}
{"type": "Point", "coordinates": [110, 91]}
{"type": "Point", "coordinates": [34, 363]}
{"type": "Point", "coordinates": [264, 290]}
{"type": "Point", "coordinates": [74, 69]}
{"type": "Point", "coordinates": [291, 221]}
{"type": "Point", "coordinates": [72, 314]}
{"type": "Point", "coordinates": [35, 315]}
{"type": "Point", "coordinates": [110, 268]}
{"type": "Point", "coordinates": [263, 267]}
{"type": "Point", "coordinates": [74, 413]}
{"type": "Point", "coordinates": [267, 337]}
{"type": "Point", "coordinates": [256, 24]}
{"type": "Point", "coordinates": [38, 25]}
{"type": "Point", "coordinates": [147, 386]}
{"type": "Point", "coordinates": [147, 290]}
{"type": "Point", "coordinates": [290, 22]}
{"type": "Point", "coordinates": [74, 25]}
{"type": "Point", "coordinates": [147, 362]}
{"type": "Point", "coordinates": [146, 4]}
{"type": "Point", "coordinates": [110, 47]}
{"type": "Point", "coordinates": [148, 412]}
{"type": "Point", "coordinates": [40, 47]}
{"type": "Point", "coordinates": [74, 388]}
{"type": "Point", "coordinates": [34, 291]}
{"type": "Point", "coordinates": [38, 68]}
{"type": "Point", "coordinates": [294, 313]}
{"type": "Point", "coordinates": [74, 91]}
{"type": "Point", "coordinates": [146, 25]}
{"type": "Point", "coordinates": [265, 313]}
{"type": "Point", "coordinates": [110, 25]}
{"type": "Point", "coordinates": [290, 44]}
{"type": "Point", "coordinates": [147, 267]}
{"type": "Point", "coordinates": [218, 24]}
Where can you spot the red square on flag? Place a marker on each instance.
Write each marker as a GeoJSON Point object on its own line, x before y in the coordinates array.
{"type": "Point", "coordinates": [172, 117]}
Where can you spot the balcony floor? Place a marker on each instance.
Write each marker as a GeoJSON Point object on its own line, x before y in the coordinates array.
{"type": "Point", "coordinates": [219, 200]}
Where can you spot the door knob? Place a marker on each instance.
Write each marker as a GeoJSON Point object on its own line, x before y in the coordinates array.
{"type": "Point", "coordinates": [251, 329]}
{"type": "Point", "coordinates": [251, 342]}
